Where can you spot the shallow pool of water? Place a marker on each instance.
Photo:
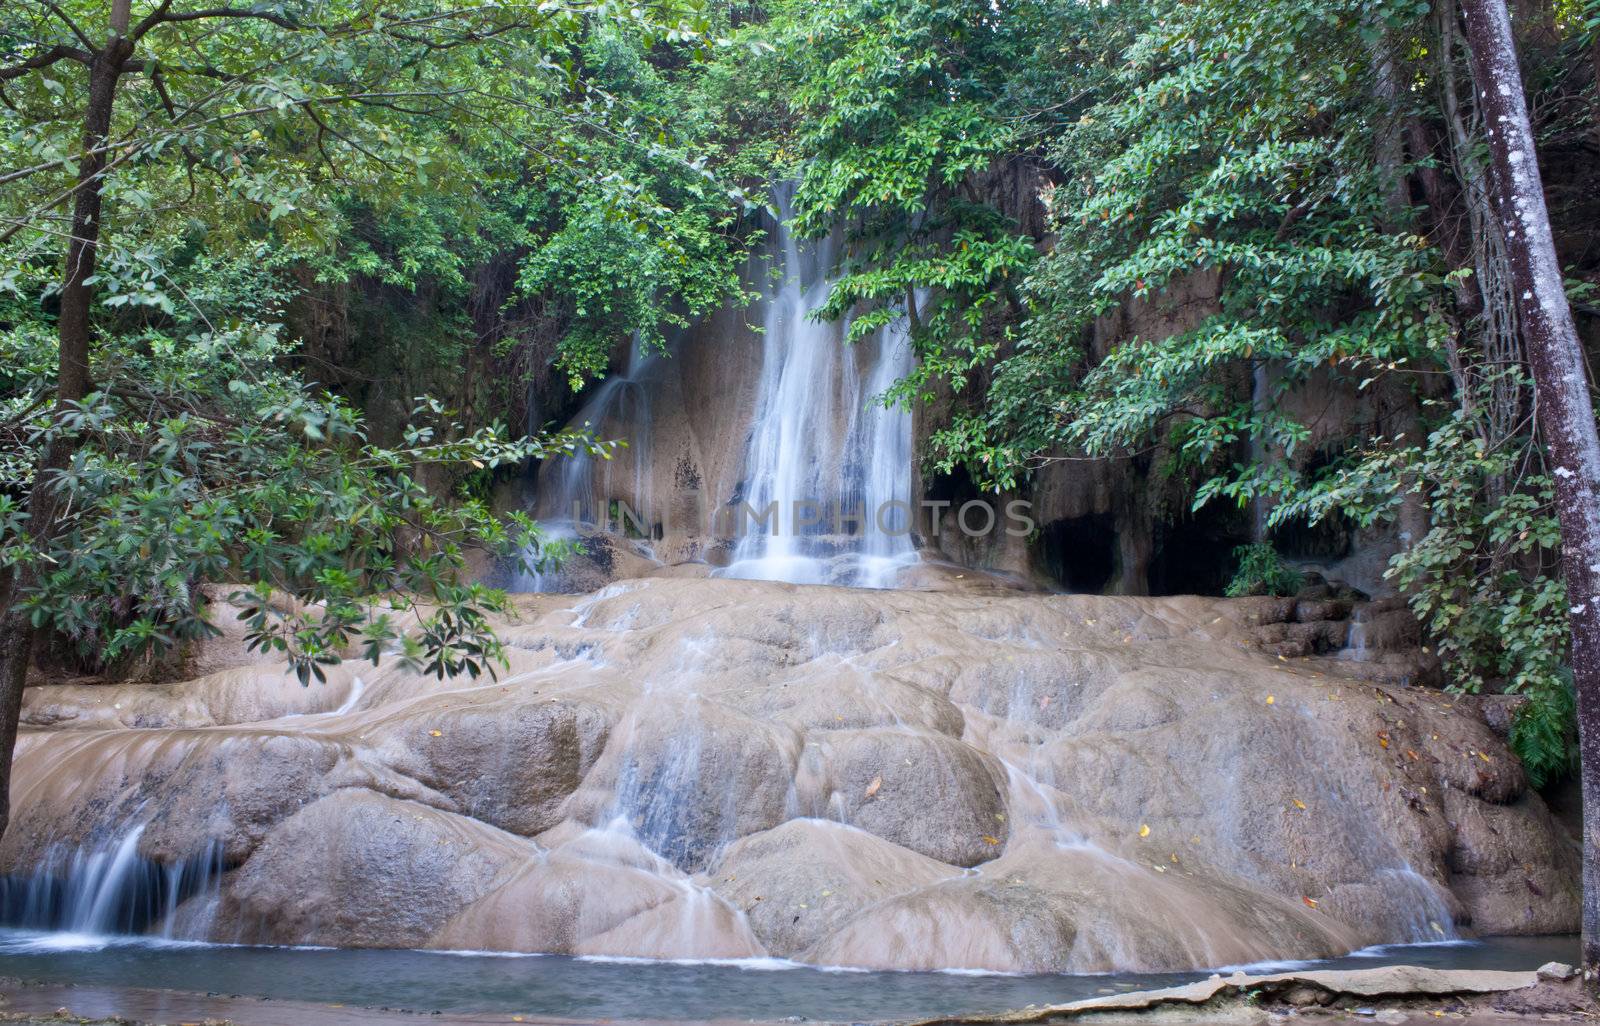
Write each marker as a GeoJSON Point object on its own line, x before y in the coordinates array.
{"type": "Point", "coordinates": [552, 986]}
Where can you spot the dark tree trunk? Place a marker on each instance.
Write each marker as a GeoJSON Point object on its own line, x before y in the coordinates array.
{"type": "Point", "coordinates": [1561, 389]}
{"type": "Point", "coordinates": [73, 330]}
{"type": "Point", "coordinates": [1594, 70]}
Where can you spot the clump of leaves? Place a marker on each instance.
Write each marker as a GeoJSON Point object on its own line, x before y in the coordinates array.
{"type": "Point", "coordinates": [1545, 733]}
{"type": "Point", "coordinates": [1262, 571]}
{"type": "Point", "coordinates": [200, 459]}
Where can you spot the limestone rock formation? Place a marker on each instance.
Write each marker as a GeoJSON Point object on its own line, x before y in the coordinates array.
{"type": "Point", "coordinates": [695, 768]}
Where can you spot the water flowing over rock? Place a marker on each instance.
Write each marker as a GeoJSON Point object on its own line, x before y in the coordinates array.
{"type": "Point", "coordinates": [677, 768]}
{"type": "Point", "coordinates": [757, 444]}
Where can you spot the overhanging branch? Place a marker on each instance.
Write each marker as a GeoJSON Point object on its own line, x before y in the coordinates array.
{"type": "Point", "coordinates": [44, 59]}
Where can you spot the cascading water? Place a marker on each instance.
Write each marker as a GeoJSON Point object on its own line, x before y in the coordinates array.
{"type": "Point", "coordinates": [81, 895]}
{"type": "Point", "coordinates": [818, 486]}
{"type": "Point", "coordinates": [583, 485]}
{"type": "Point", "coordinates": [580, 488]}
{"type": "Point", "coordinates": [825, 455]}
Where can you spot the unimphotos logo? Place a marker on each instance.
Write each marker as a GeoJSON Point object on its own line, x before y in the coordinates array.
{"type": "Point", "coordinates": [896, 518]}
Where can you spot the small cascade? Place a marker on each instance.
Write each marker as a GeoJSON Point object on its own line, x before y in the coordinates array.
{"type": "Point", "coordinates": [830, 460]}
{"type": "Point", "coordinates": [1428, 918]}
{"type": "Point", "coordinates": [582, 486]}
{"type": "Point", "coordinates": [1358, 645]}
{"type": "Point", "coordinates": [882, 473]}
{"type": "Point", "coordinates": [113, 890]}
{"type": "Point", "coordinates": [654, 802]}
{"type": "Point", "coordinates": [580, 489]}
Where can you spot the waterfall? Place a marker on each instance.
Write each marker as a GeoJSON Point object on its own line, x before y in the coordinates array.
{"type": "Point", "coordinates": [1427, 915]}
{"type": "Point", "coordinates": [579, 489]}
{"type": "Point", "coordinates": [111, 890]}
{"type": "Point", "coordinates": [582, 486]}
{"type": "Point", "coordinates": [824, 489]}
{"type": "Point", "coordinates": [824, 454]}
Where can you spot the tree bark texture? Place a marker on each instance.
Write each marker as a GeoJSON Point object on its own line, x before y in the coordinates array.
{"type": "Point", "coordinates": [1565, 408]}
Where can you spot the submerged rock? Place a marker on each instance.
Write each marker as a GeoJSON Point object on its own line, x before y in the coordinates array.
{"type": "Point", "coordinates": [692, 768]}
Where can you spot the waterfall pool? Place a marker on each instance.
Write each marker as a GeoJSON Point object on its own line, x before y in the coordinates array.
{"type": "Point", "coordinates": [589, 989]}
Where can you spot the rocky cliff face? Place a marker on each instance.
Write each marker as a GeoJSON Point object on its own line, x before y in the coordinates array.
{"type": "Point", "coordinates": [708, 768]}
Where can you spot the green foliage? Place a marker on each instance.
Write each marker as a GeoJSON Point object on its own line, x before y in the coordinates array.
{"type": "Point", "coordinates": [256, 152]}
{"type": "Point", "coordinates": [1545, 734]}
{"type": "Point", "coordinates": [1225, 172]}
{"type": "Point", "coordinates": [1262, 571]}
{"type": "Point", "coordinates": [1484, 579]}
{"type": "Point", "coordinates": [405, 149]}
{"type": "Point", "coordinates": [647, 239]}
{"type": "Point", "coordinates": [199, 459]}
{"type": "Point", "coordinates": [892, 115]}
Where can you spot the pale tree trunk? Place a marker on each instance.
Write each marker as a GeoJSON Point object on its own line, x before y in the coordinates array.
{"type": "Point", "coordinates": [1561, 392]}
{"type": "Point", "coordinates": [72, 383]}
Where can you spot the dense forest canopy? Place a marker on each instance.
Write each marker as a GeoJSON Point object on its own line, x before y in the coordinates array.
{"type": "Point", "coordinates": [315, 211]}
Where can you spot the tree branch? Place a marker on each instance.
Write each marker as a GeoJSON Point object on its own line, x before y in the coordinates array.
{"type": "Point", "coordinates": [83, 37]}
{"type": "Point", "coordinates": [44, 60]}
{"type": "Point", "coordinates": [160, 85]}
{"type": "Point", "coordinates": [163, 16]}
{"type": "Point", "coordinates": [150, 21]}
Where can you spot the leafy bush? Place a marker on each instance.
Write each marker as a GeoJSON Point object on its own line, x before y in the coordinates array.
{"type": "Point", "coordinates": [1545, 733]}
{"type": "Point", "coordinates": [200, 459]}
{"type": "Point", "coordinates": [1262, 572]}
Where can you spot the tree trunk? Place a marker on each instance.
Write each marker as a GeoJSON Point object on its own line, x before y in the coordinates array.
{"type": "Point", "coordinates": [1594, 71]}
{"type": "Point", "coordinates": [1561, 391]}
{"type": "Point", "coordinates": [72, 380]}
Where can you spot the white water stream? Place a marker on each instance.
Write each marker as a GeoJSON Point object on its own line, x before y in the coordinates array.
{"type": "Point", "coordinates": [827, 479]}
{"type": "Point", "coordinates": [823, 448]}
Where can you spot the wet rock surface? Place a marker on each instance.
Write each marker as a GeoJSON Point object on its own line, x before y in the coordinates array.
{"type": "Point", "coordinates": [690, 768]}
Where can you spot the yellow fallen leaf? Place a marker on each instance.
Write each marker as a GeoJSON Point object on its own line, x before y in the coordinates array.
{"type": "Point", "coordinates": [872, 788]}
{"type": "Point", "coordinates": [1144, 830]}
{"type": "Point", "coordinates": [1298, 803]}
{"type": "Point", "coordinates": [990, 840]}
{"type": "Point", "coordinates": [436, 733]}
{"type": "Point", "coordinates": [1271, 699]}
{"type": "Point", "coordinates": [1485, 758]}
